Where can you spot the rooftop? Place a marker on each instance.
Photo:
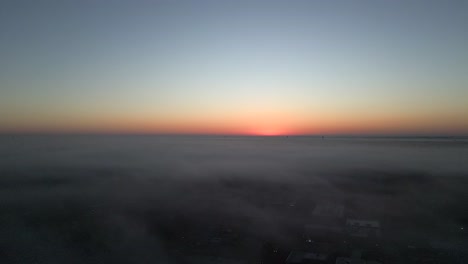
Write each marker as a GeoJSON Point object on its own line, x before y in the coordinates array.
{"type": "Point", "coordinates": [301, 257]}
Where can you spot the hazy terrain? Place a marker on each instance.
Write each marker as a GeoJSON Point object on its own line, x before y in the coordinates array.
{"type": "Point", "coordinates": [131, 199]}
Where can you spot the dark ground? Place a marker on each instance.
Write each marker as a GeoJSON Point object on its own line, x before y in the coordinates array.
{"type": "Point", "coordinates": [205, 200]}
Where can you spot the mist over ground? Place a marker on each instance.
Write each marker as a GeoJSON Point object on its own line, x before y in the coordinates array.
{"type": "Point", "coordinates": [136, 199]}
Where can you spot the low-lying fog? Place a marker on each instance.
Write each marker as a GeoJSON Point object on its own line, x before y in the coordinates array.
{"type": "Point", "coordinates": [121, 199]}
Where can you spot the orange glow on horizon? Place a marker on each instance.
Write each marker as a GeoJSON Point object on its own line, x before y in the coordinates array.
{"type": "Point", "coordinates": [255, 124]}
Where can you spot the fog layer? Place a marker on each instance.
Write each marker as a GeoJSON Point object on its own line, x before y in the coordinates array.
{"type": "Point", "coordinates": [124, 199]}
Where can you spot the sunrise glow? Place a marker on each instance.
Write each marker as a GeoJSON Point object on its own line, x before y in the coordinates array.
{"type": "Point", "coordinates": [273, 69]}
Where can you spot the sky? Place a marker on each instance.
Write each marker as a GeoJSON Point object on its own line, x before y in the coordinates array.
{"type": "Point", "coordinates": [234, 67]}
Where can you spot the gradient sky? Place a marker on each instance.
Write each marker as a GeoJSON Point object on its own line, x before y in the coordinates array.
{"type": "Point", "coordinates": [234, 67]}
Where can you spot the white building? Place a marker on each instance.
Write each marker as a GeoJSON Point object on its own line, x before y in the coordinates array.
{"type": "Point", "coordinates": [362, 228]}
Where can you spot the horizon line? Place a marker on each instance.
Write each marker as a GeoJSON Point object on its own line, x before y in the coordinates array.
{"type": "Point", "coordinates": [356, 135]}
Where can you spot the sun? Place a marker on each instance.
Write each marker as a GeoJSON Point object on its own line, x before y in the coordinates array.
{"type": "Point", "coordinates": [268, 132]}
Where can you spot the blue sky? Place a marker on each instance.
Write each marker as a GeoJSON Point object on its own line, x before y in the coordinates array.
{"type": "Point", "coordinates": [220, 66]}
